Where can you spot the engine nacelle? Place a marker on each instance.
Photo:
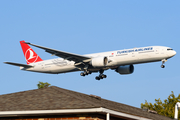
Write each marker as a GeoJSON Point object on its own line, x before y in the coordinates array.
{"type": "Point", "coordinates": [126, 69]}
{"type": "Point", "coordinates": [99, 61]}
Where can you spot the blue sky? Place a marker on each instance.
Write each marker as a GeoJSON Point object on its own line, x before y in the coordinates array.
{"type": "Point", "coordinates": [84, 27]}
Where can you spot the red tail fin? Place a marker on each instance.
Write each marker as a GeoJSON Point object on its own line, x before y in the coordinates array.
{"type": "Point", "coordinates": [29, 54]}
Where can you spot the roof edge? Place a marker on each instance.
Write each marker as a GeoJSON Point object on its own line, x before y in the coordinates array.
{"type": "Point", "coordinates": [89, 110]}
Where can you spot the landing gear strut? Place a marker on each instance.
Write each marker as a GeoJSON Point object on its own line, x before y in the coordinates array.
{"type": "Point", "coordinates": [101, 75]}
{"type": "Point", "coordinates": [163, 61]}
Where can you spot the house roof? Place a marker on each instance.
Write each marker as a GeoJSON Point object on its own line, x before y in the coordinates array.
{"type": "Point", "coordinates": [55, 98]}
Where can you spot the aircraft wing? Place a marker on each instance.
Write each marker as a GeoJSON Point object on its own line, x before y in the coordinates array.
{"type": "Point", "coordinates": [18, 64]}
{"type": "Point", "coordinates": [65, 55]}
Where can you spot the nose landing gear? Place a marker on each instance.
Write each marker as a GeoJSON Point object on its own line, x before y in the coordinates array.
{"type": "Point", "coordinates": [162, 66]}
{"type": "Point", "coordinates": [163, 62]}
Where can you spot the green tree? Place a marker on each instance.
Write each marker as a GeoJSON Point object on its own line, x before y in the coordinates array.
{"type": "Point", "coordinates": [43, 85]}
{"type": "Point", "coordinates": [165, 108]}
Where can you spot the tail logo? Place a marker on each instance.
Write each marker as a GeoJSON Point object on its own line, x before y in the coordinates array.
{"type": "Point", "coordinates": [30, 56]}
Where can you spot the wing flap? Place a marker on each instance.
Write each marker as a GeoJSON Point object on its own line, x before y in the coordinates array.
{"type": "Point", "coordinates": [62, 54]}
{"type": "Point", "coordinates": [18, 64]}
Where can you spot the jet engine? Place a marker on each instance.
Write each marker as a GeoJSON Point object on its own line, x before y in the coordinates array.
{"type": "Point", "coordinates": [99, 61]}
{"type": "Point", "coordinates": [126, 69]}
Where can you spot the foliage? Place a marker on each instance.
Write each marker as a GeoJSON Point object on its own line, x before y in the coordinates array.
{"type": "Point", "coordinates": [43, 85]}
{"type": "Point", "coordinates": [167, 108]}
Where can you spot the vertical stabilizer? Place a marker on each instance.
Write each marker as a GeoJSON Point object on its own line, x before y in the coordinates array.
{"type": "Point", "coordinates": [29, 54]}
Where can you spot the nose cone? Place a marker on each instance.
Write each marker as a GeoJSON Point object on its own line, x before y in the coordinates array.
{"type": "Point", "coordinates": [174, 53]}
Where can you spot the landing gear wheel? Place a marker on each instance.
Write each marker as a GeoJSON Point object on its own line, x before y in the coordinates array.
{"type": "Point", "coordinates": [85, 73]}
{"type": "Point", "coordinates": [103, 76]}
{"type": "Point", "coordinates": [97, 78]}
{"type": "Point", "coordinates": [100, 77]}
{"type": "Point", "coordinates": [82, 74]}
{"type": "Point", "coordinates": [162, 66]}
{"type": "Point", "coordinates": [88, 72]}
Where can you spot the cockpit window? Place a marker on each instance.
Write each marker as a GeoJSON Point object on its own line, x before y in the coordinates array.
{"type": "Point", "coordinates": [169, 49]}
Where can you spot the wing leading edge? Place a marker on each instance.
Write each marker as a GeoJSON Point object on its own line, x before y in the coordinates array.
{"type": "Point", "coordinates": [66, 55]}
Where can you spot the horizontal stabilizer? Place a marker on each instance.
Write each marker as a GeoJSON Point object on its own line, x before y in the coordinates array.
{"type": "Point", "coordinates": [18, 64]}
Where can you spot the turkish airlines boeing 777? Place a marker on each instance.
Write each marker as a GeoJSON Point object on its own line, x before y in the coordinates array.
{"type": "Point", "coordinates": [120, 60]}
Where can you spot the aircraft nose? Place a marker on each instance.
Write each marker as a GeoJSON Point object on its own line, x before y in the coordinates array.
{"type": "Point", "coordinates": [174, 52]}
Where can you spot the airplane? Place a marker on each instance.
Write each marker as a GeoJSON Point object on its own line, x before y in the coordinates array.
{"type": "Point", "coordinates": [121, 61]}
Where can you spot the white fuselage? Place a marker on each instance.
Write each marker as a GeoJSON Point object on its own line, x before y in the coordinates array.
{"type": "Point", "coordinates": [115, 59]}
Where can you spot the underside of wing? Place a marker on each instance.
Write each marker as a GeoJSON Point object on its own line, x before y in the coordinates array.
{"type": "Point", "coordinates": [66, 55]}
{"type": "Point", "coordinates": [18, 64]}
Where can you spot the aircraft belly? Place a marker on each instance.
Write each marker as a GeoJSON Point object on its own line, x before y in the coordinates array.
{"type": "Point", "coordinates": [63, 69]}
{"type": "Point", "coordinates": [37, 69]}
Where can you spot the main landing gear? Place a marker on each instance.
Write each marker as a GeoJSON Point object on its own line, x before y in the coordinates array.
{"type": "Point", "coordinates": [85, 73]}
{"type": "Point", "coordinates": [163, 61]}
{"type": "Point", "coordinates": [101, 75]}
